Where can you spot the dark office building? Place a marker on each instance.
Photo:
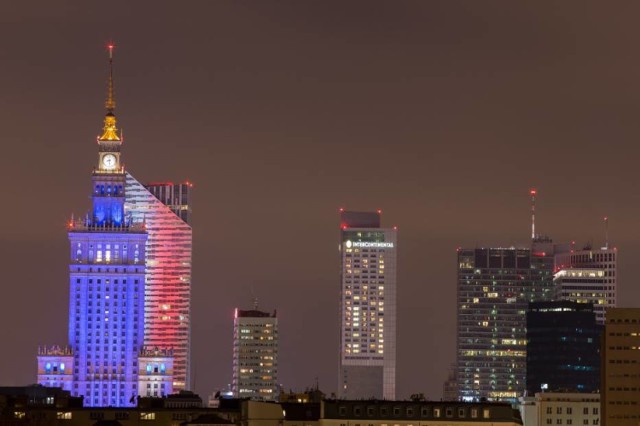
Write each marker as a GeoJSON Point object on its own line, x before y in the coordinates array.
{"type": "Point", "coordinates": [176, 196]}
{"type": "Point", "coordinates": [563, 347]}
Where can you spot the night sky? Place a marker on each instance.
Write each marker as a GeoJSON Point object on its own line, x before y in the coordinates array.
{"type": "Point", "coordinates": [442, 114]}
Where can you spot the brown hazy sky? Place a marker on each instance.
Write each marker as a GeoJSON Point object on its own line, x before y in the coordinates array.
{"type": "Point", "coordinates": [442, 114]}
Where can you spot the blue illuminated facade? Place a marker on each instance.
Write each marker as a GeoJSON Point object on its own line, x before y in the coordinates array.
{"type": "Point", "coordinates": [106, 361]}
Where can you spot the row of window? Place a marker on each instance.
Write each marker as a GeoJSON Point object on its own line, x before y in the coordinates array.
{"type": "Point", "coordinates": [569, 410]}
{"type": "Point", "coordinates": [570, 421]}
{"type": "Point", "coordinates": [462, 412]}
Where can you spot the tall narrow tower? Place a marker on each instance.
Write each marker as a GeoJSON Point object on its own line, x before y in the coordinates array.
{"type": "Point", "coordinates": [165, 210]}
{"type": "Point", "coordinates": [367, 307]}
{"type": "Point", "coordinates": [106, 361]}
{"type": "Point", "coordinates": [106, 298]}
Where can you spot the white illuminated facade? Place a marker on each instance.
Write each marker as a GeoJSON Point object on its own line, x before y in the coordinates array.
{"type": "Point", "coordinates": [155, 372]}
{"type": "Point", "coordinates": [588, 276]}
{"type": "Point", "coordinates": [367, 307]}
{"type": "Point", "coordinates": [255, 355]}
{"type": "Point", "coordinates": [167, 277]}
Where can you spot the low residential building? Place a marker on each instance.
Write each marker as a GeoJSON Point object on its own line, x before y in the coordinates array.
{"type": "Point", "coordinates": [416, 413]}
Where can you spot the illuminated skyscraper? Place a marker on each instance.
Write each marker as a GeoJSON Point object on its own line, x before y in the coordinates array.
{"type": "Point", "coordinates": [494, 288]}
{"type": "Point", "coordinates": [168, 269]}
{"type": "Point", "coordinates": [107, 294]}
{"type": "Point", "coordinates": [367, 307]}
{"type": "Point", "coordinates": [588, 276]}
{"type": "Point", "coordinates": [255, 355]}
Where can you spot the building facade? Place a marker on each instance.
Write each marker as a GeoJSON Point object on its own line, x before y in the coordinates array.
{"type": "Point", "coordinates": [495, 286]}
{"type": "Point", "coordinates": [367, 307]}
{"type": "Point", "coordinates": [588, 276]}
{"type": "Point", "coordinates": [255, 355]}
{"type": "Point", "coordinates": [620, 386]}
{"type": "Point", "coordinates": [561, 408]}
{"type": "Point", "coordinates": [563, 347]}
{"type": "Point", "coordinates": [55, 367]}
{"type": "Point", "coordinates": [176, 196]}
{"type": "Point", "coordinates": [415, 413]}
{"type": "Point", "coordinates": [168, 268]}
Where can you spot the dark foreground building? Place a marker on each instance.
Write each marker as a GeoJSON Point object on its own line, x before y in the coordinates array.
{"type": "Point", "coordinates": [563, 347]}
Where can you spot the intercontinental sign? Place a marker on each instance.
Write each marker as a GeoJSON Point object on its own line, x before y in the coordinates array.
{"type": "Point", "coordinates": [367, 244]}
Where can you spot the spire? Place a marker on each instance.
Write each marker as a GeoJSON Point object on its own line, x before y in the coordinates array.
{"type": "Point", "coordinates": [110, 132]}
{"type": "Point", "coordinates": [111, 103]}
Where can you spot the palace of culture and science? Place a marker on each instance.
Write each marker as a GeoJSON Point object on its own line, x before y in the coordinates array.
{"type": "Point", "coordinates": [129, 286]}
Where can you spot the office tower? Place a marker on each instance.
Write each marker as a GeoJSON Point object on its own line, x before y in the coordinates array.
{"type": "Point", "coordinates": [367, 307]}
{"type": "Point", "coordinates": [588, 276]}
{"type": "Point", "coordinates": [563, 347]}
{"type": "Point", "coordinates": [168, 268]}
{"type": "Point", "coordinates": [621, 368]}
{"type": "Point", "coordinates": [494, 288]}
{"type": "Point", "coordinates": [106, 297]}
{"type": "Point", "coordinates": [176, 196]}
{"type": "Point", "coordinates": [255, 355]}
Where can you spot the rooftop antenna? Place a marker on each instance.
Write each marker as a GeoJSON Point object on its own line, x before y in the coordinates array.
{"type": "Point", "coordinates": [255, 299]}
{"type": "Point", "coordinates": [533, 193]}
{"type": "Point", "coordinates": [606, 232]}
{"type": "Point", "coordinates": [110, 103]}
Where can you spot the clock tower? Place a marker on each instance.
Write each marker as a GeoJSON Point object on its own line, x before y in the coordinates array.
{"type": "Point", "coordinates": [109, 177]}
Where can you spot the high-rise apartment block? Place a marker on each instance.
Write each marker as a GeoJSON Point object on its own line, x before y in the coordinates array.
{"type": "Point", "coordinates": [588, 276]}
{"type": "Point", "coordinates": [620, 386]}
{"type": "Point", "coordinates": [168, 268]}
{"type": "Point", "coordinates": [255, 355]}
{"type": "Point", "coordinates": [367, 307]}
{"type": "Point", "coordinates": [563, 347]}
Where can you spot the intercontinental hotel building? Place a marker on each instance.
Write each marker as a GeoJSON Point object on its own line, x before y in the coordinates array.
{"type": "Point", "coordinates": [367, 307]}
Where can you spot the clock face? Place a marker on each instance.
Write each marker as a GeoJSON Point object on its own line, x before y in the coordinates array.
{"type": "Point", "coordinates": [109, 161]}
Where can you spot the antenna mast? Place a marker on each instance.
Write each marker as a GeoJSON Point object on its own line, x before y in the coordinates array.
{"type": "Point", "coordinates": [533, 193]}
{"type": "Point", "coordinates": [606, 232]}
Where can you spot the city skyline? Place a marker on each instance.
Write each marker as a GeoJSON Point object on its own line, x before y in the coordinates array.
{"type": "Point", "coordinates": [269, 141]}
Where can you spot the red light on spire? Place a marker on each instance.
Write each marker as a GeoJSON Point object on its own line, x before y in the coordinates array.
{"type": "Point", "coordinates": [110, 46]}
{"type": "Point", "coordinates": [341, 209]}
{"type": "Point", "coordinates": [533, 191]}
{"type": "Point", "coordinates": [379, 211]}
{"type": "Point", "coordinates": [395, 228]}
